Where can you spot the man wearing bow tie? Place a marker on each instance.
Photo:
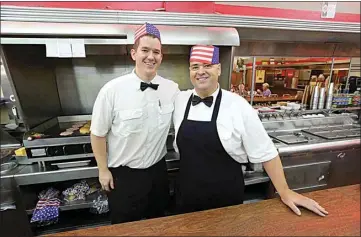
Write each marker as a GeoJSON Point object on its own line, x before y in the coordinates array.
{"type": "Point", "coordinates": [217, 131]}
{"type": "Point", "coordinates": [130, 123]}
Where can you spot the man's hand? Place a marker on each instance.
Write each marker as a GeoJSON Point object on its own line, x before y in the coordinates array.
{"type": "Point", "coordinates": [293, 199]}
{"type": "Point", "coordinates": [106, 179]}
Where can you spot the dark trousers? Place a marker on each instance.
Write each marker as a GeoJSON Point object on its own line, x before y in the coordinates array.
{"type": "Point", "coordinates": [138, 193]}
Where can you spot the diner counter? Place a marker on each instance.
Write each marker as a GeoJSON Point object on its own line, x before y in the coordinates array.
{"type": "Point", "coordinates": [269, 217]}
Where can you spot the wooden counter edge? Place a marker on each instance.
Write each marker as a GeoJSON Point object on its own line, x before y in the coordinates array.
{"type": "Point", "coordinates": [155, 226]}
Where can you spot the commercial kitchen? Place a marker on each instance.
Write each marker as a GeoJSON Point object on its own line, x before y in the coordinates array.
{"type": "Point", "coordinates": [54, 62]}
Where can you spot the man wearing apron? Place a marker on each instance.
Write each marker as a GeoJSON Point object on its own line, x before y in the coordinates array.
{"type": "Point", "coordinates": [217, 131]}
{"type": "Point", "coordinates": [130, 123]}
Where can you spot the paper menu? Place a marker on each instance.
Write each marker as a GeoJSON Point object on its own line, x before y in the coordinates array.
{"type": "Point", "coordinates": [78, 48]}
{"type": "Point", "coordinates": [65, 48]}
{"type": "Point", "coordinates": [51, 48]}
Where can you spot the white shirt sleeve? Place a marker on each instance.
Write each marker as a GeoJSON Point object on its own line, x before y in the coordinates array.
{"type": "Point", "coordinates": [176, 93]}
{"type": "Point", "coordinates": [256, 142]}
{"type": "Point", "coordinates": [102, 116]}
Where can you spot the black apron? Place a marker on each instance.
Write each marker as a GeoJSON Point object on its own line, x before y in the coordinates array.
{"type": "Point", "coordinates": [138, 193]}
{"type": "Point", "coordinates": [209, 177]}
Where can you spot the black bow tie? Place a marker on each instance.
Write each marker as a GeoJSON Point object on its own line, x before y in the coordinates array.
{"type": "Point", "coordinates": [207, 101]}
{"type": "Point", "coordinates": [144, 86]}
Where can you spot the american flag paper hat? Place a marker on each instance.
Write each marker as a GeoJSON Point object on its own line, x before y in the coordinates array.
{"type": "Point", "coordinates": [205, 54]}
{"type": "Point", "coordinates": [146, 29]}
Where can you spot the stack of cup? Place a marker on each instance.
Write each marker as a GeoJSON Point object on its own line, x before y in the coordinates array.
{"type": "Point", "coordinates": [315, 98]}
{"type": "Point", "coordinates": [321, 101]}
{"type": "Point", "coordinates": [329, 96]}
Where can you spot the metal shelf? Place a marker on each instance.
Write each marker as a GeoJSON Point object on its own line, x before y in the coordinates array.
{"type": "Point", "coordinates": [78, 204]}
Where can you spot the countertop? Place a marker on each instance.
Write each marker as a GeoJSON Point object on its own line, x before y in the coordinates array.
{"type": "Point", "coordinates": [269, 217]}
{"type": "Point", "coordinates": [8, 141]}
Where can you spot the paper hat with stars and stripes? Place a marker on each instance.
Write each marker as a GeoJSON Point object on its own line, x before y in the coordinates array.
{"type": "Point", "coordinates": [205, 54]}
{"type": "Point", "coordinates": [146, 29]}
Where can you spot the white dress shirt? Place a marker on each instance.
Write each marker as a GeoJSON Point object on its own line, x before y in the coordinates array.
{"type": "Point", "coordinates": [240, 130]}
{"type": "Point", "coordinates": [136, 123]}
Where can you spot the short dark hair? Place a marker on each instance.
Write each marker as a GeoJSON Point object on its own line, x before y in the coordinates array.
{"type": "Point", "coordinates": [136, 43]}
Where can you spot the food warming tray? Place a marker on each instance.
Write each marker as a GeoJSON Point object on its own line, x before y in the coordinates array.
{"type": "Point", "coordinates": [335, 132]}
{"type": "Point", "coordinates": [291, 139]}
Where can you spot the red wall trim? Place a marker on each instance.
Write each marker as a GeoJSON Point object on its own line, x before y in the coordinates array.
{"type": "Point", "coordinates": [131, 6]}
{"type": "Point", "coordinates": [196, 7]}
{"type": "Point", "coordinates": [284, 13]}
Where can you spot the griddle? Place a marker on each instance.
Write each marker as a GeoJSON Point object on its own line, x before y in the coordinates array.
{"type": "Point", "coordinates": [52, 129]}
{"type": "Point", "coordinates": [54, 132]}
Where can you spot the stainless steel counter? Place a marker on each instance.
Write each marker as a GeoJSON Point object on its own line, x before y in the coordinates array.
{"type": "Point", "coordinates": [318, 146]}
{"type": "Point", "coordinates": [13, 172]}
{"type": "Point", "coordinates": [34, 173]}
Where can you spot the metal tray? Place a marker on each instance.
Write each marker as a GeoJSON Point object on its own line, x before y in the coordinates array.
{"type": "Point", "coordinates": [335, 134]}
{"type": "Point", "coordinates": [292, 139]}
{"type": "Point", "coordinates": [75, 205]}
{"type": "Point", "coordinates": [72, 164]}
{"type": "Point", "coordinates": [52, 129]}
{"type": "Point", "coordinates": [8, 166]}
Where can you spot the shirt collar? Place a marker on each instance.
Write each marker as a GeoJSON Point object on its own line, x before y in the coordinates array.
{"type": "Point", "coordinates": [214, 94]}
{"type": "Point", "coordinates": [138, 80]}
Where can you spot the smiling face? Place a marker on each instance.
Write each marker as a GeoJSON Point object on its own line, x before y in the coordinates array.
{"type": "Point", "coordinates": [204, 77]}
{"type": "Point", "coordinates": [148, 56]}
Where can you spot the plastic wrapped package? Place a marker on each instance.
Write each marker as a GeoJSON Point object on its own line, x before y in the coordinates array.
{"type": "Point", "coordinates": [47, 209]}
{"type": "Point", "coordinates": [76, 192]}
{"type": "Point", "coordinates": [93, 187]}
{"type": "Point", "coordinates": [100, 204]}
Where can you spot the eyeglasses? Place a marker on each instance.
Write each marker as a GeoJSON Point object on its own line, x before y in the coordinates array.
{"type": "Point", "coordinates": [196, 67]}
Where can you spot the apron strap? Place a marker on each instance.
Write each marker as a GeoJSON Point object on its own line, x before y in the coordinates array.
{"type": "Point", "coordinates": [188, 107]}
{"type": "Point", "coordinates": [215, 109]}
{"type": "Point", "coordinates": [216, 106]}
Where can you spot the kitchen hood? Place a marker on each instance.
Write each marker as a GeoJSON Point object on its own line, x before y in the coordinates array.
{"type": "Point", "coordinates": [13, 32]}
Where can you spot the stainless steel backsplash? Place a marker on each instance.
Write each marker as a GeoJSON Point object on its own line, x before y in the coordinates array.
{"type": "Point", "coordinates": [79, 80]}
